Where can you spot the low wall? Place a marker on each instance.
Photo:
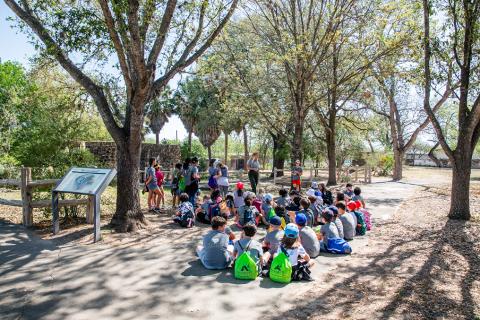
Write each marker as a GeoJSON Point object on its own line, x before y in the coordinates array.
{"type": "Point", "coordinates": [105, 152]}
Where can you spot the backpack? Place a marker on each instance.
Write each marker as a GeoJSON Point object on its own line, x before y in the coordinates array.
{"type": "Point", "coordinates": [248, 216]}
{"type": "Point", "coordinates": [281, 268]}
{"type": "Point", "coordinates": [338, 245]}
{"type": "Point", "coordinates": [181, 184]}
{"type": "Point", "coordinates": [360, 221]}
{"type": "Point", "coordinates": [327, 197]}
{"type": "Point", "coordinates": [212, 182]}
{"type": "Point", "coordinates": [270, 214]}
{"type": "Point", "coordinates": [368, 220]}
{"type": "Point", "coordinates": [213, 210]}
{"type": "Point", "coordinates": [245, 266]}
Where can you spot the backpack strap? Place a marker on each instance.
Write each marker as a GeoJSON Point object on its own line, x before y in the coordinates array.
{"type": "Point", "coordinates": [284, 251]}
{"type": "Point", "coordinates": [246, 248]}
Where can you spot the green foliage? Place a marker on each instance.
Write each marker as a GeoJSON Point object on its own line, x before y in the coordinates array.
{"type": "Point", "coordinates": [197, 149]}
{"type": "Point", "coordinates": [385, 164]}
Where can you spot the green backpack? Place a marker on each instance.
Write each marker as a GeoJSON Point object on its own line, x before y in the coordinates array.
{"type": "Point", "coordinates": [245, 266]}
{"type": "Point", "coordinates": [281, 268]}
{"type": "Point", "coordinates": [181, 184]}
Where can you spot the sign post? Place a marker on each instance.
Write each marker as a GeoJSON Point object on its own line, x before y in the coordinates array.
{"type": "Point", "coordinates": [85, 181]}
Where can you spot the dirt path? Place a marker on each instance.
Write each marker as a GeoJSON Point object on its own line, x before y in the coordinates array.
{"type": "Point", "coordinates": [148, 277]}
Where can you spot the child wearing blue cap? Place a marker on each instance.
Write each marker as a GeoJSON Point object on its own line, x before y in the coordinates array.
{"type": "Point", "coordinates": [274, 237]}
{"type": "Point", "coordinates": [308, 237]}
{"type": "Point", "coordinates": [328, 230]}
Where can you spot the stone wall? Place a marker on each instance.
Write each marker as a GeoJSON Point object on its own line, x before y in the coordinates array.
{"type": "Point", "coordinates": [105, 152]}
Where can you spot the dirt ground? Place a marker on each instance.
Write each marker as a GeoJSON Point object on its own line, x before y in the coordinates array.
{"type": "Point", "coordinates": [415, 264]}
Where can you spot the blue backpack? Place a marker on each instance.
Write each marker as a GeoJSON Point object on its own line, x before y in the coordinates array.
{"type": "Point", "coordinates": [248, 216]}
{"type": "Point", "coordinates": [214, 210]}
{"type": "Point", "coordinates": [338, 245]}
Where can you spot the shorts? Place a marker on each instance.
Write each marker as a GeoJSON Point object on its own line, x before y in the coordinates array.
{"type": "Point", "coordinates": [296, 182]}
{"type": "Point", "coordinates": [152, 186]}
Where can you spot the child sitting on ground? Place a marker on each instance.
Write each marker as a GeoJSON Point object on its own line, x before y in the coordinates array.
{"type": "Point", "coordinates": [340, 197]}
{"type": "Point", "coordinates": [299, 259]}
{"type": "Point", "coordinates": [295, 204]}
{"type": "Point", "coordinates": [361, 227]}
{"type": "Point", "coordinates": [267, 206]}
{"type": "Point", "coordinates": [308, 238]}
{"type": "Point", "coordinates": [202, 211]}
{"type": "Point", "coordinates": [250, 245]}
{"type": "Point", "coordinates": [217, 207]}
{"type": "Point", "coordinates": [247, 213]}
{"type": "Point", "coordinates": [316, 209]}
{"type": "Point", "coordinates": [348, 221]}
{"type": "Point", "coordinates": [357, 197]}
{"type": "Point", "coordinates": [305, 204]}
{"type": "Point", "coordinates": [366, 215]}
{"type": "Point", "coordinates": [185, 215]}
{"type": "Point", "coordinates": [258, 199]}
{"type": "Point", "coordinates": [348, 192]}
{"type": "Point", "coordinates": [337, 221]}
{"type": "Point", "coordinates": [273, 238]}
{"type": "Point", "coordinates": [284, 200]}
{"type": "Point", "coordinates": [229, 203]}
{"type": "Point", "coordinates": [328, 230]}
{"type": "Point", "coordinates": [238, 197]}
{"type": "Point", "coordinates": [216, 252]}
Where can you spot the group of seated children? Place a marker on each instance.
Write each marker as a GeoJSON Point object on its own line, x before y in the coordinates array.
{"type": "Point", "coordinates": [299, 227]}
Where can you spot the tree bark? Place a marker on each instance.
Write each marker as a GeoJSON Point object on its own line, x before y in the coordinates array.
{"type": "Point", "coordinates": [128, 216]}
{"type": "Point", "coordinates": [279, 145]}
{"type": "Point", "coordinates": [157, 137]}
{"type": "Point", "coordinates": [460, 197]}
{"type": "Point", "coordinates": [209, 149]}
{"type": "Point", "coordinates": [245, 147]}
{"type": "Point", "coordinates": [189, 143]}
{"type": "Point", "coordinates": [398, 164]}
{"type": "Point", "coordinates": [431, 155]}
{"type": "Point", "coordinates": [226, 148]}
{"type": "Point", "coordinates": [297, 148]}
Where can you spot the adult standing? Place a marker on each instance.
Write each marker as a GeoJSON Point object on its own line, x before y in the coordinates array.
{"type": "Point", "coordinates": [297, 172]}
{"type": "Point", "coordinates": [222, 180]}
{"type": "Point", "coordinates": [192, 179]}
{"type": "Point", "coordinates": [253, 166]}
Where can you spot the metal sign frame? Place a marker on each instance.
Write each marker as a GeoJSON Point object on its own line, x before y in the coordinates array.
{"type": "Point", "coordinates": [109, 174]}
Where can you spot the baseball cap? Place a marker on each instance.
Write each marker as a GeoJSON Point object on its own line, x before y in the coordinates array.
{"type": "Point", "coordinates": [291, 230]}
{"type": "Point", "coordinates": [314, 185]}
{"type": "Point", "coordinates": [239, 185]}
{"type": "Point", "coordinates": [267, 197]}
{"type": "Point", "coordinates": [358, 204]}
{"type": "Point", "coordinates": [301, 219]}
{"type": "Point", "coordinates": [352, 206]}
{"type": "Point", "coordinates": [276, 221]}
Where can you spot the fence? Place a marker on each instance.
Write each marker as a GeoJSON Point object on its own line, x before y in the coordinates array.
{"type": "Point", "coordinates": [27, 186]}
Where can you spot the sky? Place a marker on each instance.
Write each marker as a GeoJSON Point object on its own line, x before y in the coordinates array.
{"type": "Point", "coordinates": [15, 46]}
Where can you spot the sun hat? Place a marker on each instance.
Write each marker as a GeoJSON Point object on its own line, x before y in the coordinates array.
{"type": "Point", "coordinates": [239, 185]}
{"type": "Point", "coordinates": [291, 231]}
{"type": "Point", "coordinates": [314, 185]}
{"type": "Point", "coordinates": [301, 219]}
{"type": "Point", "coordinates": [275, 221]}
{"type": "Point", "coordinates": [311, 193]}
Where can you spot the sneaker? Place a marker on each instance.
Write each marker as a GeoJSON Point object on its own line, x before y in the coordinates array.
{"type": "Point", "coordinates": [156, 210]}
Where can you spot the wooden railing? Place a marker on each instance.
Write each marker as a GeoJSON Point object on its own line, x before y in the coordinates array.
{"type": "Point", "coordinates": [27, 186]}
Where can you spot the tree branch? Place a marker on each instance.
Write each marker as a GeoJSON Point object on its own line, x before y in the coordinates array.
{"type": "Point", "coordinates": [162, 32]}
{"type": "Point", "coordinates": [91, 87]}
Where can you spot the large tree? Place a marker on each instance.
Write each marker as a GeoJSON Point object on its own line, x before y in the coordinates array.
{"type": "Point", "coordinates": [462, 42]}
{"type": "Point", "coordinates": [152, 42]}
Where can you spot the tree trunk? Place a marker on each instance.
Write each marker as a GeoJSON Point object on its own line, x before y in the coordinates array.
{"type": "Point", "coordinates": [189, 143]}
{"type": "Point", "coordinates": [157, 137]}
{"type": "Point", "coordinates": [460, 198]}
{"type": "Point", "coordinates": [209, 149]}
{"type": "Point", "coordinates": [226, 148]}
{"type": "Point", "coordinates": [331, 149]}
{"type": "Point", "coordinates": [279, 145]}
{"type": "Point", "coordinates": [128, 215]}
{"type": "Point", "coordinates": [433, 157]}
{"type": "Point", "coordinates": [398, 165]}
{"type": "Point", "coordinates": [245, 147]}
{"type": "Point", "coordinates": [297, 148]}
